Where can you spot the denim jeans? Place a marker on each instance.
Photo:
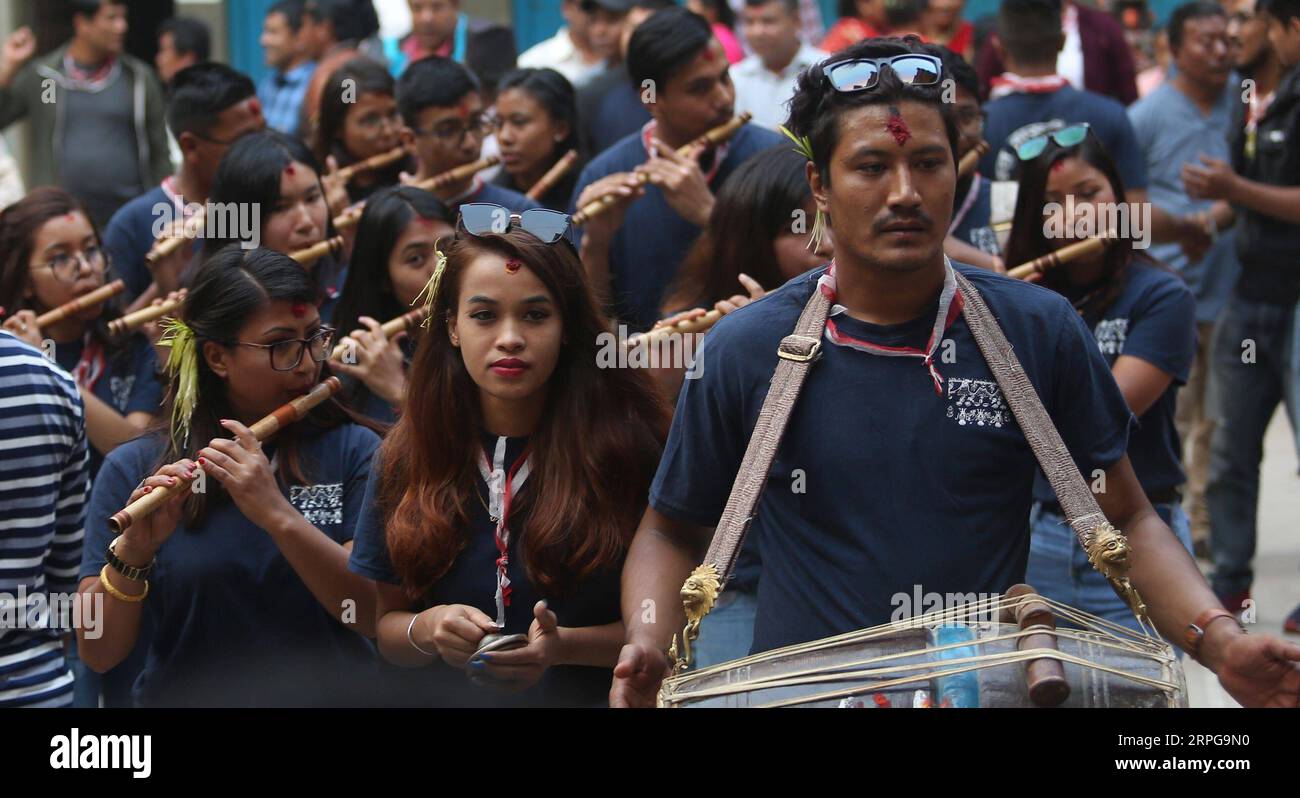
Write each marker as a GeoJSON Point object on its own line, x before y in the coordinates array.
{"type": "Point", "coordinates": [1059, 567]}
{"type": "Point", "coordinates": [1242, 398]}
{"type": "Point", "coordinates": [727, 632]}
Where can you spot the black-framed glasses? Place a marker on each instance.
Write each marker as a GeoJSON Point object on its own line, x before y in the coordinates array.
{"type": "Point", "coordinates": [452, 133]}
{"type": "Point", "coordinates": [860, 74]}
{"type": "Point", "coordinates": [1066, 137]}
{"type": "Point", "coordinates": [286, 355]}
{"type": "Point", "coordinates": [486, 218]}
{"type": "Point", "coordinates": [66, 266]}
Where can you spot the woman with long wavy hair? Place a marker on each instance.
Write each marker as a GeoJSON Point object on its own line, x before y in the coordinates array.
{"type": "Point", "coordinates": [507, 495]}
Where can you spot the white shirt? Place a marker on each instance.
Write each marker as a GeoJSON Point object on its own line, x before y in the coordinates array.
{"type": "Point", "coordinates": [560, 54]}
{"type": "Point", "coordinates": [1069, 62]}
{"type": "Point", "coordinates": [764, 93]}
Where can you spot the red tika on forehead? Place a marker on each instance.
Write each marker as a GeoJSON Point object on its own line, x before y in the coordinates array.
{"type": "Point", "coordinates": [1058, 165]}
{"type": "Point", "coordinates": [897, 127]}
{"type": "Point", "coordinates": [255, 106]}
{"type": "Point", "coordinates": [513, 266]}
{"type": "Point", "coordinates": [707, 54]}
{"type": "Point", "coordinates": [288, 170]}
{"type": "Point", "coordinates": [299, 309]}
{"type": "Point", "coordinates": [69, 217]}
{"type": "Point", "coordinates": [462, 108]}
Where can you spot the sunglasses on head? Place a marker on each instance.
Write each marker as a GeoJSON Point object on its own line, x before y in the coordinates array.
{"type": "Point", "coordinates": [488, 218]}
{"type": "Point", "coordinates": [860, 74]}
{"type": "Point", "coordinates": [1065, 138]}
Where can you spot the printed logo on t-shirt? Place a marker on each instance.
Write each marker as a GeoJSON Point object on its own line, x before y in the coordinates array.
{"type": "Point", "coordinates": [121, 387]}
{"type": "Point", "coordinates": [985, 240]}
{"type": "Point", "coordinates": [1111, 334]}
{"type": "Point", "coordinates": [319, 504]}
{"type": "Point", "coordinates": [977, 403]}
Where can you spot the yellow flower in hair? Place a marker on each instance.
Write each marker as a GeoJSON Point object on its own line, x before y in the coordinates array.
{"type": "Point", "coordinates": [803, 146]}
{"type": "Point", "coordinates": [183, 369]}
{"type": "Point", "coordinates": [430, 290]}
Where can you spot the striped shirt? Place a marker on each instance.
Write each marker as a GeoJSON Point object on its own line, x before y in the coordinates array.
{"type": "Point", "coordinates": [43, 490]}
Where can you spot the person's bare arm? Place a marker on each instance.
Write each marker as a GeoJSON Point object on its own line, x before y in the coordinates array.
{"type": "Point", "coordinates": [1256, 670]}
{"type": "Point", "coordinates": [106, 428]}
{"type": "Point", "coordinates": [663, 554]}
{"type": "Point", "coordinates": [957, 249]}
{"type": "Point", "coordinates": [1141, 382]}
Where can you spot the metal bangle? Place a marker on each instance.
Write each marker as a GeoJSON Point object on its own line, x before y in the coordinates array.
{"type": "Point", "coordinates": [411, 639]}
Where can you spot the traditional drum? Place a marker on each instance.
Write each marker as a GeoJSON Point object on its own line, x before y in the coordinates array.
{"type": "Point", "coordinates": [954, 658]}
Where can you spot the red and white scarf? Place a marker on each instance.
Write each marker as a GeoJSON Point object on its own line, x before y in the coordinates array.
{"type": "Point", "coordinates": [502, 486]}
{"type": "Point", "coordinates": [91, 365]}
{"type": "Point", "coordinates": [1011, 83]}
{"type": "Point", "coordinates": [950, 306]}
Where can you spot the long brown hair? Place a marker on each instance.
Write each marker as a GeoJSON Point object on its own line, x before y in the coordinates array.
{"type": "Point", "coordinates": [594, 452]}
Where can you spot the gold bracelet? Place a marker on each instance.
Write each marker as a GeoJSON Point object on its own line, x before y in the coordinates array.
{"type": "Point", "coordinates": [119, 595]}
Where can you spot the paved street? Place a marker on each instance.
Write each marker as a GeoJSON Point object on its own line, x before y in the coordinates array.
{"type": "Point", "coordinates": [1277, 561]}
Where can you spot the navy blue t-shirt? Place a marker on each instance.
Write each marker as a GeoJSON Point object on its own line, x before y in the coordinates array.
{"type": "Point", "coordinates": [1153, 318]}
{"type": "Point", "coordinates": [471, 581]}
{"type": "Point", "coordinates": [129, 236]}
{"type": "Point", "coordinates": [881, 485]}
{"type": "Point", "coordinates": [653, 240]}
{"type": "Point", "coordinates": [1017, 117]}
{"type": "Point", "coordinates": [490, 192]}
{"type": "Point", "coordinates": [233, 623]}
{"type": "Point", "coordinates": [128, 384]}
{"type": "Point", "coordinates": [621, 113]}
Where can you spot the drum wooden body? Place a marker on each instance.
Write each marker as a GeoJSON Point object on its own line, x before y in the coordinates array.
{"type": "Point", "coordinates": [902, 666]}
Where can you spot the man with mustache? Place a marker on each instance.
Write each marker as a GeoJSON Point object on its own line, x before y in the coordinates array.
{"type": "Point", "coordinates": [901, 467]}
{"type": "Point", "coordinates": [633, 249]}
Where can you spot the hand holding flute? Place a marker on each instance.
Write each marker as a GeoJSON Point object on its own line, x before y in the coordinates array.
{"type": "Point", "coordinates": [238, 464]}
{"type": "Point", "coordinates": [374, 355]}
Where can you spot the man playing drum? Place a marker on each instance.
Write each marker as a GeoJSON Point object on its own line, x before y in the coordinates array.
{"type": "Point", "coordinates": [902, 464]}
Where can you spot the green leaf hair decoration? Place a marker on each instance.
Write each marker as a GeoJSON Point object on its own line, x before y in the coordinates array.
{"type": "Point", "coordinates": [803, 146]}
{"type": "Point", "coordinates": [183, 369]}
{"type": "Point", "coordinates": [430, 290]}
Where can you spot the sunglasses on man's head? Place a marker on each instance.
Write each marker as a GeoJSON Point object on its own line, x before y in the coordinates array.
{"type": "Point", "coordinates": [860, 74]}
{"type": "Point", "coordinates": [1065, 137]}
{"type": "Point", "coordinates": [488, 218]}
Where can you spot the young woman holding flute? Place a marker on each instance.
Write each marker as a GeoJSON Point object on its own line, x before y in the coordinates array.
{"type": "Point", "coordinates": [359, 121]}
{"type": "Point", "coordinates": [394, 259]}
{"type": "Point", "coordinates": [51, 253]}
{"type": "Point", "coordinates": [537, 126]}
{"type": "Point", "coordinates": [1143, 317]}
{"type": "Point", "coordinates": [244, 576]}
{"type": "Point", "coordinates": [504, 499]}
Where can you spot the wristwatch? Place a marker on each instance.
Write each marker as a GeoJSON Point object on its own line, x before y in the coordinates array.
{"type": "Point", "coordinates": [135, 574]}
{"type": "Point", "coordinates": [1195, 632]}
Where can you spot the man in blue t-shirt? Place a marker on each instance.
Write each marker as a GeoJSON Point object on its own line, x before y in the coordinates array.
{"type": "Point", "coordinates": [901, 469]}
{"type": "Point", "coordinates": [1187, 116]}
{"type": "Point", "coordinates": [1031, 99]}
{"type": "Point", "coordinates": [210, 105]}
{"type": "Point", "coordinates": [633, 249]}
{"type": "Point", "coordinates": [445, 122]}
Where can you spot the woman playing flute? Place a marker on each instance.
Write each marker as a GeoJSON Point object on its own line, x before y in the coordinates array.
{"type": "Point", "coordinates": [50, 253]}
{"type": "Point", "coordinates": [1143, 317]}
{"type": "Point", "coordinates": [277, 177]}
{"type": "Point", "coordinates": [244, 582]}
{"type": "Point", "coordinates": [537, 124]}
{"type": "Point", "coordinates": [504, 499]}
{"type": "Point", "coordinates": [394, 259]}
{"type": "Point", "coordinates": [359, 120]}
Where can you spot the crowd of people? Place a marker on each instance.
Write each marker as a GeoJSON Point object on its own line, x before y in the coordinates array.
{"type": "Point", "coordinates": [890, 172]}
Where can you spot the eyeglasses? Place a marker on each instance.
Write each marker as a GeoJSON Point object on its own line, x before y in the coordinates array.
{"type": "Point", "coordinates": [67, 265]}
{"type": "Point", "coordinates": [286, 355]}
{"type": "Point", "coordinates": [860, 74]}
{"type": "Point", "coordinates": [484, 218]}
{"type": "Point", "coordinates": [1071, 136]}
{"type": "Point", "coordinates": [452, 133]}
{"type": "Point", "coordinates": [377, 121]}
